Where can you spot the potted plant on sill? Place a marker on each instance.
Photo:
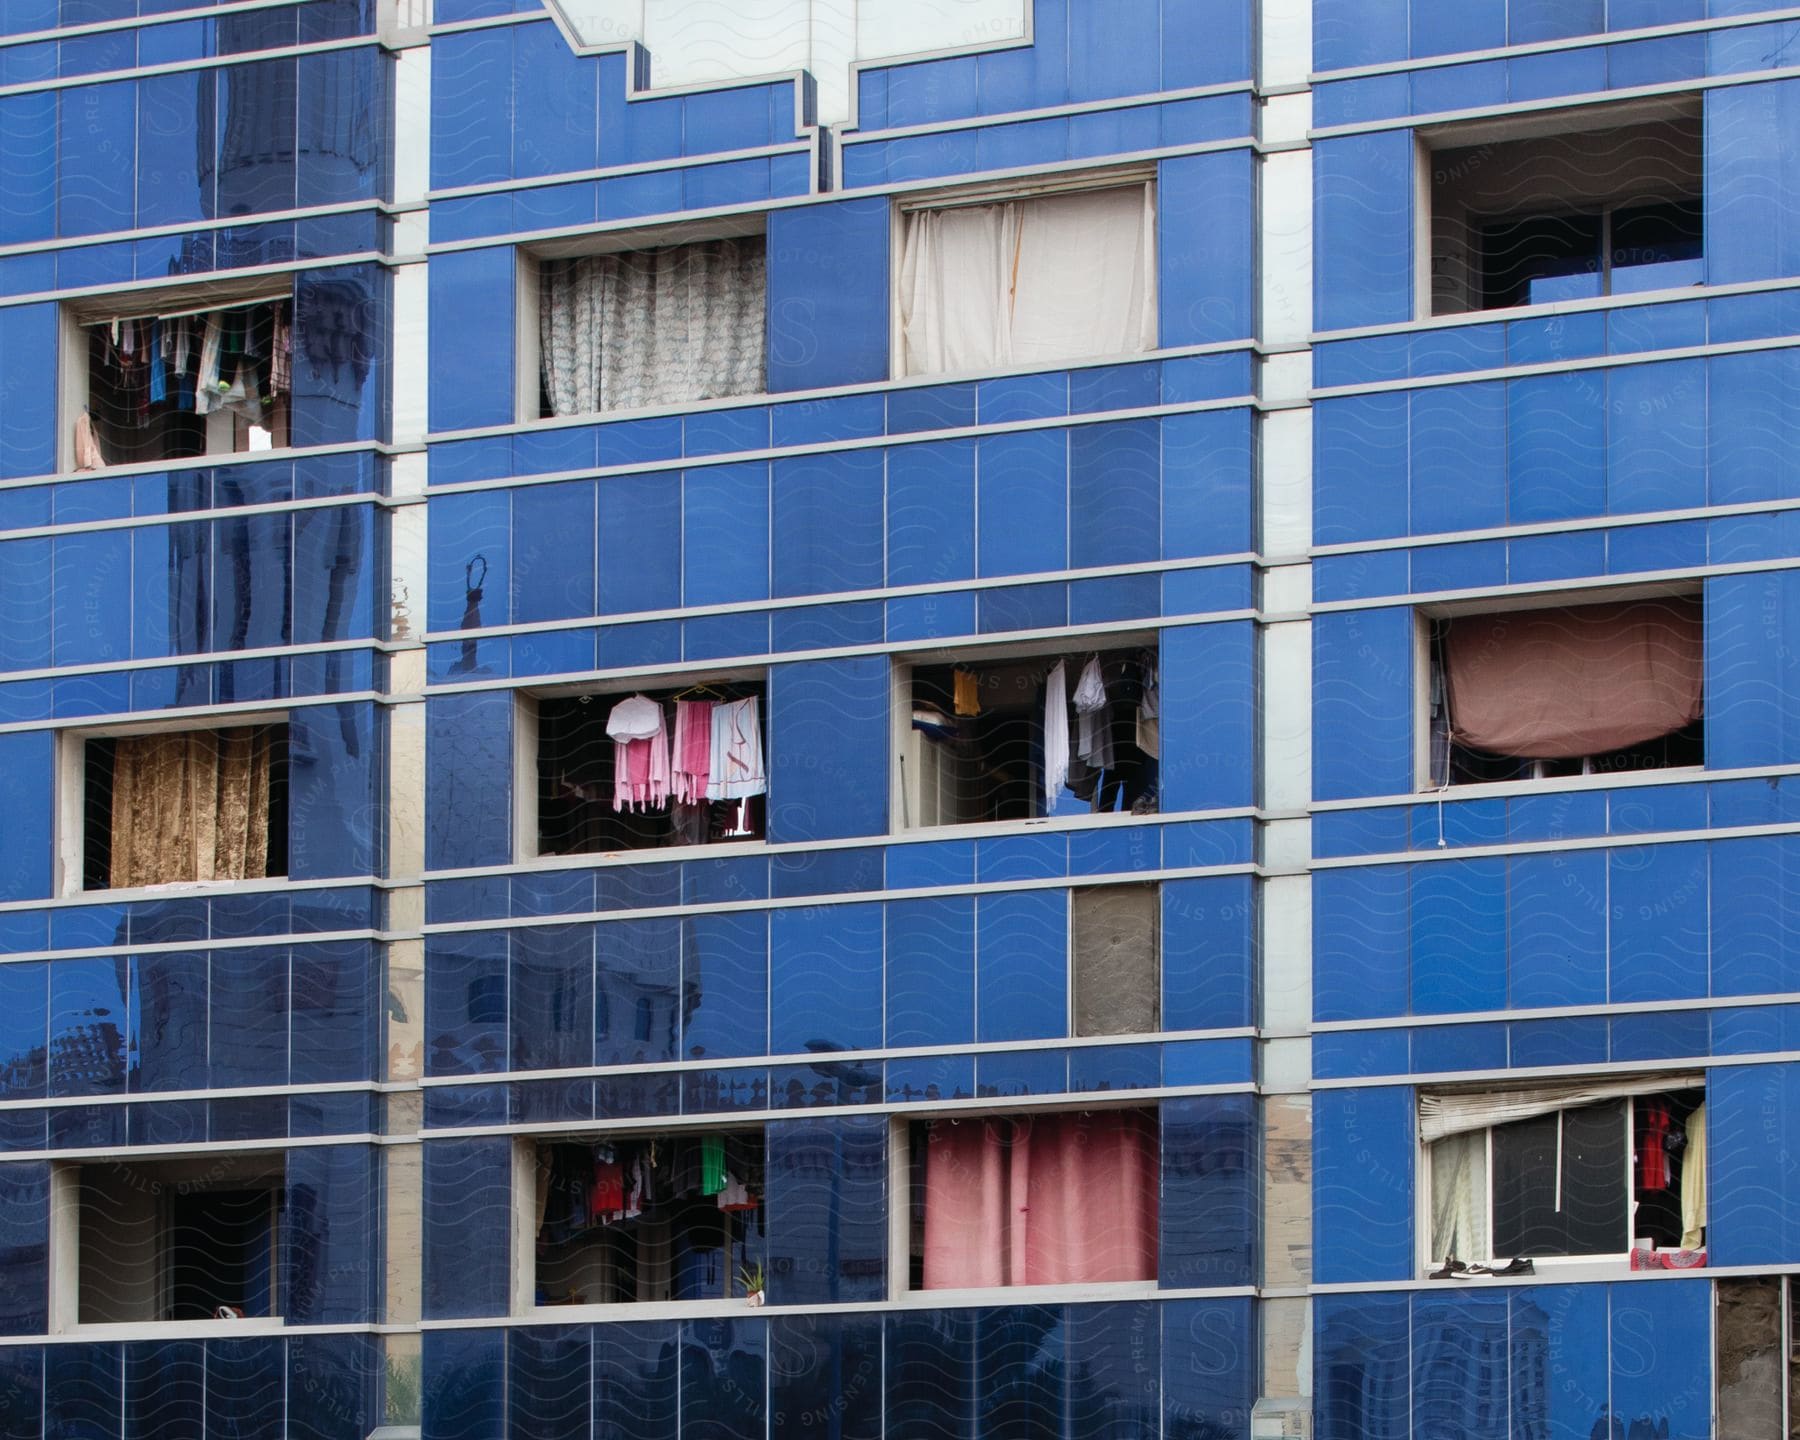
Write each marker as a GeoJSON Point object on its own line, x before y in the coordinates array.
{"type": "Point", "coordinates": [753, 1280]}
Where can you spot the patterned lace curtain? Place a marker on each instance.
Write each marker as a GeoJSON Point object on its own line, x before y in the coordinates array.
{"type": "Point", "coordinates": [191, 806]}
{"type": "Point", "coordinates": [654, 327]}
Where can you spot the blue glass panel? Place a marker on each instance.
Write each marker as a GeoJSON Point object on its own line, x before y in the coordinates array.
{"type": "Point", "coordinates": [1115, 491]}
{"type": "Point", "coordinates": [553, 552]}
{"type": "Point", "coordinates": [1658, 895]}
{"type": "Point", "coordinates": [466, 1230]}
{"type": "Point", "coordinates": [330, 1235]}
{"type": "Point", "coordinates": [97, 130]}
{"type": "Point", "coordinates": [828, 731]}
{"type": "Point", "coordinates": [1019, 1376]}
{"type": "Point", "coordinates": [828, 294]}
{"type": "Point", "coordinates": [1363, 1148]}
{"type": "Point", "coordinates": [1347, 33]}
{"type": "Point", "coordinates": [175, 175]}
{"type": "Point", "coordinates": [1208, 953]}
{"type": "Point", "coordinates": [640, 543]}
{"type": "Point", "coordinates": [1560, 1383]}
{"type": "Point", "coordinates": [463, 1384]}
{"type": "Point", "coordinates": [1753, 946]}
{"type": "Point", "coordinates": [1023, 397]}
{"type": "Point", "coordinates": [28, 333]}
{"type": "Point", "coordinates": [1458, 458]}
{"type": "Point", "coordinates": [254, 102]}
{"type": "Point", "coordinates": [1753, 405]}
{"type": "Point", "coordinates": [725, 511]}
{"type": "Point", "coordinates": [165, 1389]}
{"type": "Point", "coordinates": [473, 85]}
{"type": "Point", "coordinates": [555, 119]}
{"type": "Point", "coordinates": [245, 1380]}
{"type": "Point", "coordinates": [24, 1030]}
{"type": "Point", "coordinates": [465, 1003]}
{"type": "Point", "coordinates": [1361, 924]}
{"type": "Point", "coordinates": [167, 1042]}
{"type": "Point", "coordinates": [1021, 857]}
{"type": "Point", "coordinates": [25, 1245]}
{"type": "Point", "coordinates": [469, 765]}
{"type": "Point", "coordinates": [1208, 691]}
{"type": "Point", "coordinates": [825, 978]}
{"type": "Point", "coordinates": [550, 1009]}
{"type": "Point", "coordinates": [826, 1199]}
{"type": "Point", "coordinates": [1022, 979]}
{"type": "Point", "coordinates": [87, 1027]}
{"type": "Point", "coordinates": [1360, 449]}
{"type": "Point", "coordinates": [930, 1372]}
{"type": "Point", "coordinates": [828, 522]}
{"type": "Point", "coordinates": [1206, 220]}
{"type": "Point", "coordinates": [1208, 1215]}
{"type": "Point", "coordinates": [1023, 502]}
{"type": "Point", "coordinates": [1361, 1372]}
{"type": "Point", "coordinates": [27, 167]}
{"type": "Point", "coordinates": [92, 590]}
{"type": "Point", "coordinates": [1363, 195]}
{"type": "Point", "coordinates": [635, 1383]}
{"type": "Point", "coordinates": [1460, 1359]}
{"type": "Point", "coordinates": [1662, 1358]}
{"type": "Point", "coordinates": [724, 1365]}
{"type": "Point", "coordinates": [249, 1017]}
{"type": "Point", "coordinates": [637, 992]}
{"type": "Point", "coordinates": [549, 1394]}
{"type": "Point", "coordinates": [1206, 484]}
{"type": "Point", "coordinates": [931, 971]}
{"type": "Point", "coordinates": [931, 512]}
{"type": "Point", "coordinates": [472, 298]}
{"type": "Point", "coordinates": [1751, 1113]}
{"type": "Point", "coordinates": [725, 986]}
{"type": "Point", "coordinates": [1656, 437]}
{"type": "Point", "coordinates": [83, 1389]}
{"type": "Point", "coordinates": [1459, 936]}
{"type": "Point", "coordinates": [1752, 182]}
{"type": "Point", "coordinates": [1557, 929]}
{"type": "Point", "coordinates": [825, 1370]}
{"type": "Point", "coordinates": [1209, 1366]}
{"type": "Point", "coordinates": [1556, 460]}
{"type": "Point", "coordinates": [340, 160]}
{"type": "Point", "coordinates": [333, 1386]}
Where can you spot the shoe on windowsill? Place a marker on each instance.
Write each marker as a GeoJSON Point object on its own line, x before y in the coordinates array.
{"type": "Point", "coordinates": [1454, 1269]}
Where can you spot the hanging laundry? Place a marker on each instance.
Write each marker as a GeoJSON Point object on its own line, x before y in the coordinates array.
{"type": "Point", "coordinates": [736, 770]}
{"type": "Point", "coordinates": [87, 447]}
{"type": "Point", "coordinates": [1056, 732]}
{"type": "Point", "coordinates": [693, 750]}
{"type": "Point", "coordinates": [640, 739]}
{"type": "Point", "coordinates": [206, 383]}
{"type": "Point", "coordinates": [1093, 718]}
{"type": "Point", "coordinates": [281, 352]}
{"type": "Point", "coordinates": [1149, 716]}
{"type": "Point", "coordinates": [1653, 1156]}
{"type": "Point", "coordinates": [968, 692]}
{"type": "Point", "coordinates": [712, 1164]}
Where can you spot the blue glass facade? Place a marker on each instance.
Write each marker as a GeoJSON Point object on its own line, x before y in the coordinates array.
{"type": "Point", "coordinates": [1274, 496]}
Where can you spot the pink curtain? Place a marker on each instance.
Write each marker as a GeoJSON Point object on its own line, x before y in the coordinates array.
{"type": "Point", "coordinates": [1583, 680]}
{"type": "Point", "coordinates": [1041, 1200]}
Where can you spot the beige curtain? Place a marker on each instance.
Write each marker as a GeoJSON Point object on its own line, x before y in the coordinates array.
{"type": "Point", "coordinates": [1693, 1182]}
{"type": "Point", "coordinates": [1582, 680]}
{"type": "Point", "coordinates": [1459, 1193]}
{"type": "Point", "coordinates": [191, 806]}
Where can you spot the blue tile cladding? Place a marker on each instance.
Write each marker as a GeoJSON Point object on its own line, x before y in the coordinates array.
{"type": "Point", "coordinates": [828, 294]}
{"type": "Point", "coordinates": [1363, 1152]}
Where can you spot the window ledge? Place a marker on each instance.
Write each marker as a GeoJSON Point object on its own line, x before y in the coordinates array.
{"type": "Point", "coordinates": [1556, 784]}
{"type": "Point", "coordinates": [1564, 1267]}
{"type": "Point", "coordinates": [179, 1329]}
{"type": "Point", "coordinates": [1030, 1294]}
{"type": "Point", "coordinates": [986, 829]}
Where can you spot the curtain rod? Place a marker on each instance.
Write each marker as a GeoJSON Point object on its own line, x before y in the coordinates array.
{"type": "Point", "coordinates": [996, 194]}
{"type": "Point", "coordinates": [185, 314]}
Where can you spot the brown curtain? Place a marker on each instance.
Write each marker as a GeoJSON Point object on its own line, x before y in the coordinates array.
{"type": "Point", "coordinates": [191, 806]}
{"type": "Point", "coordinates": [1583, 680]}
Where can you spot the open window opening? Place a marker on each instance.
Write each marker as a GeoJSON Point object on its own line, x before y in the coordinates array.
{"type": "Point", "coordinates": [663, 767]}
{"type": "Point", "coordinates": [1565, 691]}
{"type": "Point", "coordinates": [642, 1219]}
{"type": "Point", "coordinates": [183, 806]}
{"type": "Point", "coordinates": [1756, 1339]}
{"type": "Point", "coordinates": [192, 1239]}
{"type": "Point", "coordinates": [669, 325]}
{"type": "Point", "coordinates": [1116, 945]}
{"type": "Point", "coordinates": [996, 739]}
{"type": "Point", "coordinates": [1026, 276]}
{"type": "Point", "coordinates": [1045, 1198]}
{"type": "Point", "coordinates": [184, 382]}
{"type": "Point", "coordinates": [1588, 1168]}
{"type": "Point", "coordinates": [1566, 211]}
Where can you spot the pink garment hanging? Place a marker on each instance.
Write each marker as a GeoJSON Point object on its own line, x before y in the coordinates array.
{"type": "Point", "coordinates": [1041, 1200]}
{"type": "Point", "coordinates": [640, 736]}
{"type": "Point", "coordinates": [693, 750]}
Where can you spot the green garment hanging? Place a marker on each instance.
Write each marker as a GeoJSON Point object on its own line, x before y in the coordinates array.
{"type": "Point", "coordinates": [712, 1164]}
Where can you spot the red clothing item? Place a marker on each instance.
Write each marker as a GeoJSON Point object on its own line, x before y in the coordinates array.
{"type": "Point", "coordinates": [1653, 1154]}
{"type": "Point", "coordinates": [608, 1196]}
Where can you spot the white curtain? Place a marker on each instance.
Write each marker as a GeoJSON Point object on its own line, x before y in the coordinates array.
{"type": "Point", "coordinates": [654, 327]}
{"type": "Point", "coordinates": [1459, 1190]}
{"type": "Point", "coordinates": [1018, 282]}
{"type": "Point", "coordinates": [1460, 1113]}
{"type": "Point", "coordinates": [1693, 1181]}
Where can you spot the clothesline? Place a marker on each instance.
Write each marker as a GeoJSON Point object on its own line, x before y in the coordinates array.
{"type": "Point", "coordinates": [215, 307]}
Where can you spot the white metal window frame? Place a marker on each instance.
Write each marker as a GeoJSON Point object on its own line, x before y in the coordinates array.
{"type": "Point", "coordinates": [1425, 1207]}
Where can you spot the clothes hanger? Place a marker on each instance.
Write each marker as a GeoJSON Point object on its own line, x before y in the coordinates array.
{"type": "Point", "coordinates": [700, 689]}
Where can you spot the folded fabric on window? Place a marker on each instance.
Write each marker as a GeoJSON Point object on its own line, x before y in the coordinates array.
{"type": "Point", "coordinates": [1054, 277]}
{"type": "Point", "coordinates": [1041, 1200]}
{"type": "Point", "coordinates": [1574, 681]}
{"type": "Point", "coordinates": [653, 327]}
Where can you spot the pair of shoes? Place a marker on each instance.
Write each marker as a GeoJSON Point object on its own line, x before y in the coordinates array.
{"type": "Point", "coordinates": [1519, 1266]}
{"type": "Point", "coordinates": [1454, 1269]}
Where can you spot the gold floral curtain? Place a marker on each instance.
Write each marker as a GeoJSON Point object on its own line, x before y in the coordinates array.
{"type": "Point", "coordinates": [191, 806]}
